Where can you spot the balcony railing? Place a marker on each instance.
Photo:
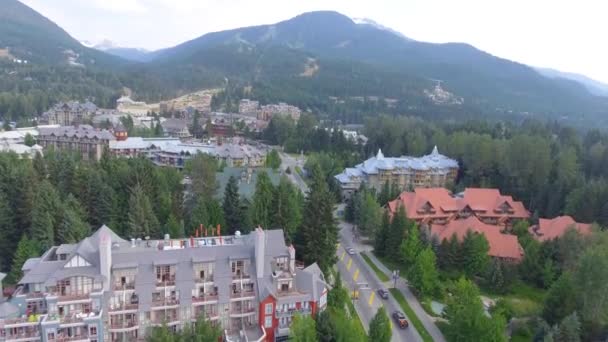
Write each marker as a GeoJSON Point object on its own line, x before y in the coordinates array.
{"type": "Point", "coordinates": [122, 287]}
{"type": "Point", "coordinates": [291, 312]}
{"type": "Point", "coordinates": [165, 302]}
{"type": "Point", "coordinates": [241, 294]}
{"type": "Point", "coordinates": [125, 324]}
{"type": "Point", "coordinates": [32, 319]}
{"type": "Point", "coordinates": [71, 338]}
{"type": "Point", "coordinates": [72, 297]}
{"type": "Point", "coordinates": [34, 295]}
{"type": "Point", "coordinates": [123, 307]}
{"type": "Point", "coordinates": [22, 335]}
{"type": "Point", "coordinates": [204, 280]}
{"type": "Point", "coordinates": [166, 282]}
{"type": "Point", "coordinates": [207, 314]}
{"type": "Point", "coordinates": [163, 320]}
{"type": "Point", "coordinates": [204, 297]}
{"type": "Point", "coordinates": [241, 311]}
{"type": "Point", "coordinates": [241, 275]}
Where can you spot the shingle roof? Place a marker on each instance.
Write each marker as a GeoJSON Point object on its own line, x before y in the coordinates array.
{"type": "Point", "coordinates": [501, 245]}
{"type": "Point", "coordinates": [81, 131]}
{"type": "Point", "coordinates": [549, 229]}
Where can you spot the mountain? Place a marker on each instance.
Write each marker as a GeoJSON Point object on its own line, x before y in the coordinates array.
{"type": "Point", "coordinates": [131, 54]}
{"type": "Point", "coordinates": [486, 82]}
{"type": "Point", "coordinates": [595, 87]}
{"type": "Point", "coordinates": [373, 23]}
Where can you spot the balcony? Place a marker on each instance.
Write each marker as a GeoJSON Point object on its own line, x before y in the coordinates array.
{"type": "Point", "coordinates": [82, 337]}
{"type": "Point", "coordinates": [242, 294]}
{"type": "Point", "coordinates": [124, 287]}
{"type": "Point", "coordinates": [291, 312]}
{"type": "Point", "coordinates": [168, 320]}
{"type": "Point", "coordinates": [168, 281]}
{"type": "Point", "coordinates": [207, 314]}
{"type": "Point", "coordinates": [32, 320]}
{"type": "Point", "coordinates": [242, 312]}
{"type": "Point", "coordinates": [241, 275]}
{"type": "Point", "coordinates": [162, 302]}
{"type": "Point", "coordinates": [34, 295]}
{"type": "Point", "coordinates": [124, 307]}
{"type": "Point", "coordinates": [26, 335]}
{"type": "Point", "coordinates": [204, 298]}
{"type": "Point", "coordinates": [127, 325]}
{"type": "Point", "coordinates": [72, 297]}
{"type": "Point", "coordinates": [204, 280]}
{"type": "Point", "coordinates": [282, 330]}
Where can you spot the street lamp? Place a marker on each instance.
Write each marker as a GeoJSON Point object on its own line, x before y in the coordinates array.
{"type": "Point", "coordinates": [395, 277]}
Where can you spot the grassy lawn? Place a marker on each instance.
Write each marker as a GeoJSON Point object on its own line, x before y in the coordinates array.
{"type": "Point", "coordinates": [525, 300]}
{"type": "Point", "coordinates": [414, 320]}
{"type": "Point", "coordinates": [354, 315]}
{"type": "Point", "coordinates": [383, 277]}
{"type": "Point", "coordinates": [391, 265]}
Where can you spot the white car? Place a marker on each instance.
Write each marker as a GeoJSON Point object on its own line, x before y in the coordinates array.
{"type": "Point", "coordinates": [350, 251]}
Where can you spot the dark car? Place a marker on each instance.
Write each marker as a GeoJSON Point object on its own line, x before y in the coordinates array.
{"type": "Point", "coordinates": [400, 319]}
{"type": "Point", "coordinates": [383, 293]}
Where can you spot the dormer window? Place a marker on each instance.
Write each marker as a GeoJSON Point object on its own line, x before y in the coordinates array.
{"type": "Point", "coordinates": [76, 261]}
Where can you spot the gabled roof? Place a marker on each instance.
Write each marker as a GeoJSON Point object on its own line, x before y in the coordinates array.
{"type": "Point", "coordinates": [439, 199]}
{"type": "Point", "coordinates": [549, 229]}
{"type": "Point", "coordinates": [501, 245]}
{"type": "Point", "coordinates": [489, 201]}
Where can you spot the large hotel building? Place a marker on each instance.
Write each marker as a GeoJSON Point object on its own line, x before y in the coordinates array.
{"type": "Point", "coordinates": [432, 170]}
{"type": "Point", "coordinates": [105, 288]}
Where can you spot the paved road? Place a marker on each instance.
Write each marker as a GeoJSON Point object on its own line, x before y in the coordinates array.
{"type": "Point", "coordinates": [356, 274]}
{"type": "Point", "coordinates": [289, 161]}
{"type": "Point", "coordinates": [346, 238]}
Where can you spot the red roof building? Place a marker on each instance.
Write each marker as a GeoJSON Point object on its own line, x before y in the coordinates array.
{"type": "Point", "coordinates": [549, 229]}
{"type": "Point", "coordinates": [439, 206]}
{"type": "Point", "coordinates": [503, 246]}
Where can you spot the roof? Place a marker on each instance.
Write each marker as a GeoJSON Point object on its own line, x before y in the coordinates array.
{"type": "Point", "coordinates": [433, 161]}
{"type": "Point", "coordinates": [174, 125]}
{"type": "Point", "coordinates": [80, 131]}
{"type": "Point", "coordinates": [501, 245]}
{"type": "Point", "coordinates": [246, 178]}
{"type": "Point", "coordinates": [549, 229]}
{"type": "Point", "coordinates": [436, 203]}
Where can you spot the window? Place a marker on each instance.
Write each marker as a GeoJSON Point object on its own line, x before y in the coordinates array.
{"type": "Point", "coordinates": [268, 309]}
{"type": "Point", "coordinates": [93, 331]}
{"type": "Point", "coordinates": [77, 261]}
{"type": "Point", "coordinates": [268, 322]}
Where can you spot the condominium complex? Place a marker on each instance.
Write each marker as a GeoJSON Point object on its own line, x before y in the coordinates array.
{"type": "Point", "coordinates": [433, 170]}
{"type": "Point", "coordinates": [69, 113]}
{"type": "Point", "coordinates": [83, 139]}
{"type": "Point", "coordinates": [266, 112]}
{"type": "Point", "coordinates": [105, 288]}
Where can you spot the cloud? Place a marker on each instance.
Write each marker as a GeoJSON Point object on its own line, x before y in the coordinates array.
{"type": "Point", "coordinates": [121, 6]}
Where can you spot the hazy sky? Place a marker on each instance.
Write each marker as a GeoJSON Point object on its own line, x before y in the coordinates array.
{"type": "Point", "coordinates": [566, 35]}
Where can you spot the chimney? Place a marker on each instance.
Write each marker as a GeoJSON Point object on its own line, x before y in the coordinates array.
{"type": "Point", "coordinates": [105, 259]}
{"type": "Point", "coordinates": [260, 242]}
{"type": "Point", "coordinates": [292, 259]}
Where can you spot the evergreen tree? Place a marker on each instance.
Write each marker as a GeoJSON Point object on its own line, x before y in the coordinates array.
{"type": "Point", "coordinates": [141, 218]}
{"type": "Point", "coordinates": [287, 211]}
{"type": "Point", "coordinates": [369, 214]}
{"type": "Point", "coordinates": [232, 206]}
{"type": "Point", "coordinates": [318, 234]}
{"type": "Point", "coordinates": [199, 215]}
{"type": "Point", "coordinates": [303, 329]}
{"type": "Point", "coordinates": [423, 274]}
{"type": "Point", "coordinates": [495, 276]}
{"type": "Point", "coordinates": [8, 231]}
{"type": "Point", "coordinates": [174, 228]}
{"type": "Point", "coordinates": [411, 246]}
{"type": "Point", "coordinates": [380, 327]}
{"type": "Point", "coordinates": [215, 214]}
{"type": "Point", "coordinates": [262, 201]}
{"type": "Point", "coordinates": [28, 140]}
{"type": "Point", "coordinates": [475, 249]}
{"type": "Point", "coordinates": [203, 331]}
{"type": "Point", "coordinates": [349, 211]}
{"type": "Point", "coordinates": [396, 233]}
{"type": "Point", "coordinates": [42, 228]}
{"type": "Point", "coordinates": [560, 300]}
{"type": "Point", "coordinates": [569, 329]}
{"type": "Point", "coordinates": [382, 235]}
{"type": "Point", "coordinates": [273, 160]}
{"type": "Point", "coordinates": [202, 169]}
{"type": "Point", "coordinates": [385, 194]}
{"type": "Point", "coordinates": [73, 226]}
{"type": "Point", "coordinates": [247, 225]}
{"type": "Point", "coordinates": [326, 328]}
{"type": "Point", "coordinates": [25, 249]}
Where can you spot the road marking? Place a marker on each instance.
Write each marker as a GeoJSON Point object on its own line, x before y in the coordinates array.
{"type": "Point", "coordinates": [391, 324]}
{"type": "Point", "coordinates": [350, 263]}
{"type": "Point", "coordinates": [371, 298]}
{"type": "Point", "coordinates": [356, 275]}
{"type": "Point", "coordinates": [343, 254]}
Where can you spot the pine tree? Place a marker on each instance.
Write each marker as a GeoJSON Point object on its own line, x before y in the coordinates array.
{"type": "Point", "coordinates": [73, 226]}
{"type": "Point", "coordinates": [385, 194]}
{"type": "Point", "coordinates": [287, 211]}
{"type": "Point", "coordinates": [369, 214]}
{"type": "Point", "coordinates": [326, 328]}
{"type": "Point", "coordinates": [380, 327]}
{"type": "Point", "coordinates": [318, 235]}
{"type": "Point", "coordinates": [25, 249]}
{"type": "Point", "coordinates": [411, 246]}
{"type": "Point", "coordinates": [199, 215]}
{"type": "Point", "coordinates": [382, 235]}
{"type": "Point", "coordinates": [495, 277]}
{"type": "Point", "coordinates": [569, 329]}
{"type": "Point", "coordinates": [423, 274]}
{"type": "Point", "coordinates": [475, 249]}
{"type": "Point", "coordinates": [141, 218]}
{"type": "Point", "coordinates": [262, 201]}
{"type": "Point", "coordinates": [215, 214]}
{"type": "Point", "coordinates": [8, 231]}
{"type": "Point", "coordinates": [174, 228]}
{"type": "Point", "coordinates": [232, 206]}
{"type": "Point", "coordinates": [396, 234]}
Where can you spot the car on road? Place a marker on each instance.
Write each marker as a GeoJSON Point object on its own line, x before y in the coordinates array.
{"type": "Point", "coordinates": [400, 319]}
{"type": "Point", "coordinates": [383, 293]}
{"type": "Point", "coordinates": [350, 251]}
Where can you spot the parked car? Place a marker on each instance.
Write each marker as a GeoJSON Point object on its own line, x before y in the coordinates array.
{"type": "Point", "coordinates": [350, 251]}
{"type": "Point", "coordinates": [400, 319]}
{"type": "Point", "coordinates": [383, 293]}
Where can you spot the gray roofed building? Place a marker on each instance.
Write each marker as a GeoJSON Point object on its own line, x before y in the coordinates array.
{"type": "Point", "coordinates": [432, 170]}
{"type": "Point", "coordinates": [84, 139]}
{"type": "Point", "coordinates": [176, 128]}
{"type": "Point", "coordinates": [107, 286]}
{"type": "Point", "coordinates": [246, 178]}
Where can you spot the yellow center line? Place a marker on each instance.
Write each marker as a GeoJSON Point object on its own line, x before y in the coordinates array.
{"type": "Point", "coordinates": [371, 298]}
{"type": "Point", "coordinates": [356, 275]}
{"type": "Point", "coordinates": [350, 263]}
{"type": "Point", "coordinates": [343, 254]}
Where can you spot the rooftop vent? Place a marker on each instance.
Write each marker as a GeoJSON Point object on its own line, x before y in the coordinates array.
{"type": "Point", "coordinates": [237, 234]}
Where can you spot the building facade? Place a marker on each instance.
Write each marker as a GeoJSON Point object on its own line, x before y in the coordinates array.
{"type": "Point", "coordinates": [69, 113]}
{"type": "Point", "coordinates": [433, 170]}
{"type": "Point", "coordinates": [105, 288]}
{"type": "Point", "coordinates": [83, 139]}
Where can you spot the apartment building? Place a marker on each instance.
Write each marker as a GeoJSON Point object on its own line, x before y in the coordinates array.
{"type": "Point", "coordinates": [105, 288]}
{"type": "Point", "coordinates": [433, 170]}
{"type": "Point", "coordinates": [69, 113]}
{"type": "Point", "coordinates": [89, 142]}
